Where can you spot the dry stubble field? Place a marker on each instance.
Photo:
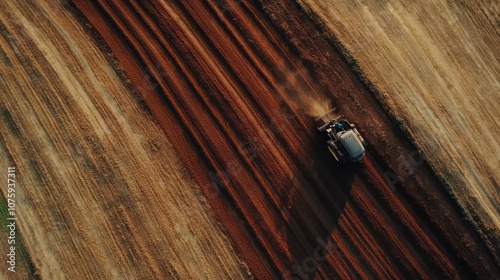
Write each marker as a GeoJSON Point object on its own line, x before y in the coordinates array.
{"type": "Point", "coordinates": [100, 192]}
{"type": "Point", "coordinates": [436, 65]}
{"type": "Point", "coordinates": [231, 77]}
{"type": "Point", "coordinates": [103, 194]}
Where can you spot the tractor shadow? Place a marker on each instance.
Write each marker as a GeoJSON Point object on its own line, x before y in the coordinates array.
{"type": "Point", "coordinates": [323, 190]}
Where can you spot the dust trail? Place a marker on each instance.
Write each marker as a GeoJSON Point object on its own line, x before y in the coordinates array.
{"type": "Point", "coordinates": [302, 96]}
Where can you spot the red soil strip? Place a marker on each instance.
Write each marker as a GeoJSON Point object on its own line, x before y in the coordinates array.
{"type": "Point", "coordinates": [212, 84]}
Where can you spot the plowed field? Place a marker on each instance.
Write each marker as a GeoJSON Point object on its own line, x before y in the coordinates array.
{"type": "Point", "coordinates": [100, 192]}
{"type": "Point", "coordinates": [236, 86]}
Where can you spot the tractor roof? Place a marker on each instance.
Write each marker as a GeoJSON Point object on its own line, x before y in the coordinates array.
{"type": "Point", "coordinates": [352, 144]}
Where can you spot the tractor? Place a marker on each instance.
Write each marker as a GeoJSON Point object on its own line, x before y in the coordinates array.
{"type": "Point", "coordinates": [345, 143]}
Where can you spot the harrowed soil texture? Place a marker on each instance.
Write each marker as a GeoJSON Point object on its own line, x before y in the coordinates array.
{"type": "Point", "coordinates": [232, 84]}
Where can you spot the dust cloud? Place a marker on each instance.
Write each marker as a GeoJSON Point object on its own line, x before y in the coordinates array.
{"type": "Point", "coordinates": [302, 96]}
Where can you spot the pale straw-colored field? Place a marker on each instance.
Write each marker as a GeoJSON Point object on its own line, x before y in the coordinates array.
{"type": "Point", "coordinates": [436, 65]}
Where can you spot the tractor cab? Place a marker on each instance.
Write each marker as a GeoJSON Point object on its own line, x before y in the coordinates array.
{"type": "Point", "coordinates": [345, 143]}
